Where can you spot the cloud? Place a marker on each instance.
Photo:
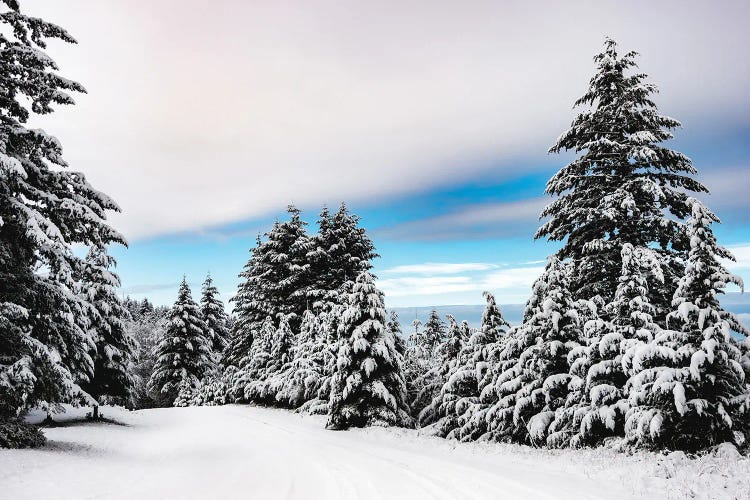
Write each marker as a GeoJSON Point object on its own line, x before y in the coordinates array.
{"type": "Point", "coordinates": [440, 268]}
{"type": "Point", "coordinates": [485, 220]}
{"type": "Point", "coordinates": [512, 284]}
{"type": "Point", "coordinates": [146, 288]}
{"type": "Point", "coordinates": [742, 257]}
{"type": "Point", "coordinates": [728, 192]}
{"type": "Point", "coordinates": [204, 113]}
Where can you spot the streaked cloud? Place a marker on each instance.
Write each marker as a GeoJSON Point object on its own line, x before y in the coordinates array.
{"type": "Point", "coordinates": [486, 220]}
{"type": "Point", "coordinates": [206, 113]}
{"type": "Point", "coordinates": [511, 284]}
{"type": "Point", "coordinates": [440, 268]}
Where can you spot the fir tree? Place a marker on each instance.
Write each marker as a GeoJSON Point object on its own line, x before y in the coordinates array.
{"type": "Point", "coordinates": [344, 249]}
{"type": "Point", "coordinates": [46, 345]}
{"type": "Point", "coordinates": [252, 366]}
{"type": "Point", "coordinates": [213, 314]}
{"type": "Point", "coordinates": [625, 187]}
{"type": "Point", "coordinates": [433, 333]}
{"type": "Point", "coordinates": [112, 379]}
{"type": "Point", "coordinates": [532, 373]}
{"type": "Point", "coordinates": [368, 387]}
{"type": "Point", "coordinates": [597, 406]}
{"type": "Point", "coordinates": [302, 377]}
{"type": "Point", "coordinates": [448, 357]}
{"type": "Point", "coordinates": [394, 326]}
{"type": "Point", "coordinates": [250, 308]}
{"type": "Point", "coordinates": [688, 390]}
{"type": "Point", "coordinates": [276, 282]}
{"type": "Point", "coordinates": [183, 355]}
{"type": "Point", "coordinates": [468, 385]}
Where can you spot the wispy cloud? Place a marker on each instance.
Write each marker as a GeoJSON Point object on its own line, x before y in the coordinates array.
{"type": "Point", "coordinates": [485, 220]}
{"type": "Point", "coordinates": [150, 287]}
{"type": "Point", "coordinates": [440, 268]}
{"type": "Point", "coordinates": [511, 283]}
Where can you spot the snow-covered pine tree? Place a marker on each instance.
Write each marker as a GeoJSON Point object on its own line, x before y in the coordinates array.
{"type": "Point", "coordinates": [301, 378]}
{"type": "Point", "coordinates": [345, 250]}
{"type": "Point", "coordinates": [283, 343]}
{"type": "Point", "coordinates": [212, 311]}
{"type": "Point", "coordinates": [250, 308]}
{"type": "Point", "coordinates": [624, 187]}
{"type": "Point", "coordinates": [597, 406]}
{"type": "Point", "coordinates": [469, 386]}
{"type": "Point", "coordinates": [532, 372]}
{"type": "Point", "coordinates": [434, 332]}
{"type": "Point", "coordinates": [252, 366]}
{"type": "Point", "coordinates": [447, 364]}
{"type": "Point", "coordinates": [368, 386]}
{"type": "Point", "coordinates": [329, 315]}
{"type": "Point", "coordinates": [112, 380]}
{"type": "Point", "coordinates": [688, 390]}
{"type": "Point", "coordinates": [184, 354]}
{"type": "Point", "coordinates": [422, 369]}
{"type": "Point", "coordinates": [394, 326]}
{"type": "Point", "coordinates": [44, 210]}
{"type": "Point", "coordinates": [276, 281]}
{"type": "Point", "coordinates": [146, 326]}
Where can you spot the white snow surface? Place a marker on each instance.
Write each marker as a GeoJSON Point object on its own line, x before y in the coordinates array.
{"type": "Point", "coordinates": [250, 452]}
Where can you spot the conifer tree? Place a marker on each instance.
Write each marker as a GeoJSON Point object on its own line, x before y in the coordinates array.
{"type": "Point", "coordinates": [433, 333]}
{"type": "Point", "coordinates": [184, 354]}
{"type": "Point", "coordinates": [276, 281]}
{"type": "Point", "coordinates": [532, 373]}
{"type": "Point", "coordinates": [301, 378]}
{"type": "Point", "coordinates": [448, 357]}
{"type": "Point", "coordinates": [250, 308]}
{"type": "Point", "coordinates": [282, 350]}
{"type": "Point", "coordinates": [688, 390]}
{"type": "Point", "coordinates": [252, 366]}
{"type": "Point", "coordinates": [625, 187]}
{"type": "Point", "coordinates": [112, 380]}
{"type": "Point", "coordinates": [213, 314]}
{"type": "Point", "coordinates": [597, 405]}
{"type": "Point", "coordinates": [368, 387]}
{"type": "Point", "coordinates": [473, 375]}
{"type": "Point", "coordinates": [44, 209]}
{"type": "Point", "coordinates": [394, 326]}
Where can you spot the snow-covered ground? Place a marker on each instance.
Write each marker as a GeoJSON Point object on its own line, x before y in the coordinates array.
{"type": "Point", "coordinates": [250, 452]}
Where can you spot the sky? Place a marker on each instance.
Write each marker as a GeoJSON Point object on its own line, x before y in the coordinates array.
{"type": "Point", "coordinates": [431, 119]}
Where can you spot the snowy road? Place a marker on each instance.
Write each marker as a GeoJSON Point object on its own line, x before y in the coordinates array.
{"type": "Point", "coordinates": [248, 452]}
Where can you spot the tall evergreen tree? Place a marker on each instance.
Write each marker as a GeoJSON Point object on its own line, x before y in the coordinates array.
{"type": "Point", "coordinates": [368, 386]}
{"type": "Point", "coordinates": [276, 281]}
{"type": "Point", "coordinates": [184, 354]}
{"type": "Point", "coordinates": [212, 311]}
{"type": "Point", "coordinates": [250, 308]}
{"type": "Point", "coordinates": [44, 209]}
{"type": "Point", "coordinates": [112, 380]}
{"type": "Point", "coordinates": [625, 187]}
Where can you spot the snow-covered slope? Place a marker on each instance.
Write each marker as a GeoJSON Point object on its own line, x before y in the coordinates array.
{"type": "Point", "coordinates": [250, 452]}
